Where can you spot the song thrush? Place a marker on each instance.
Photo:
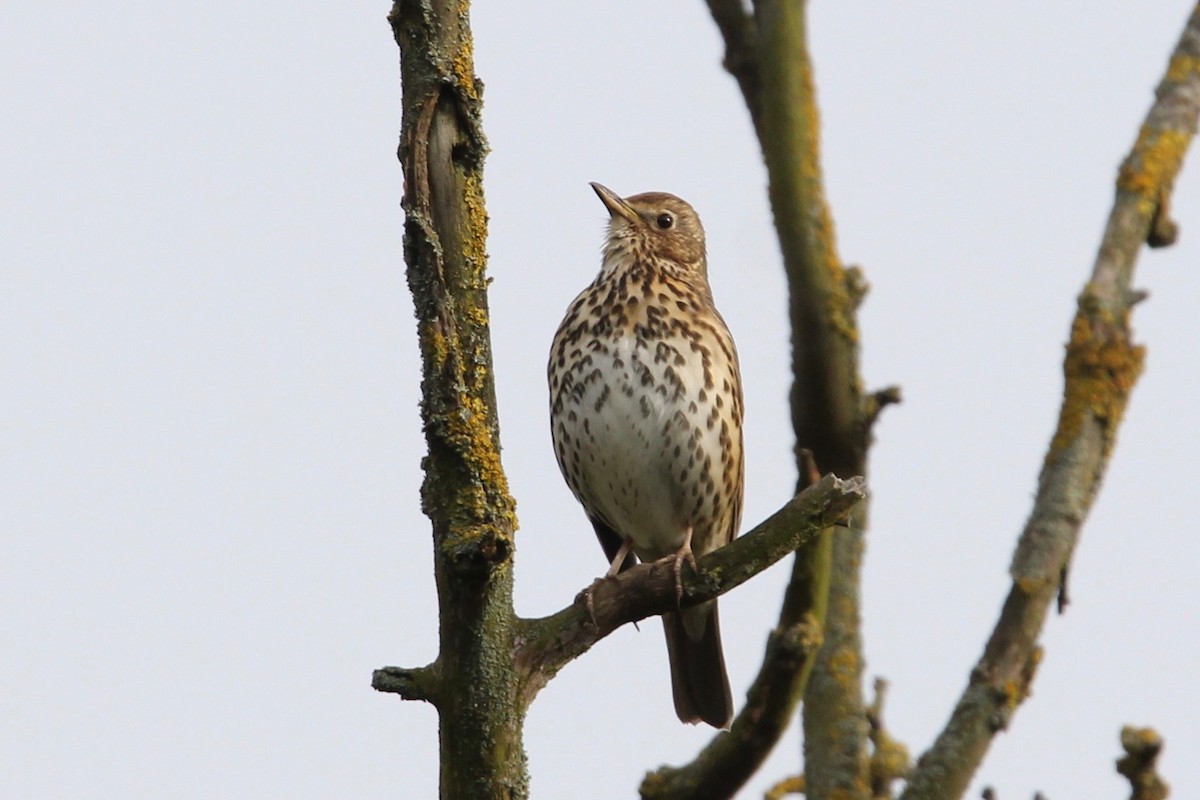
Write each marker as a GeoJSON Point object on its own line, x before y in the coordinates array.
{"type": "Point", "coordinates": [646, 417]}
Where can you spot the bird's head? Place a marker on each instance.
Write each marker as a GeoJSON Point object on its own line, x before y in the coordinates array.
{"type": "Point", "coordinates": [654, 226]}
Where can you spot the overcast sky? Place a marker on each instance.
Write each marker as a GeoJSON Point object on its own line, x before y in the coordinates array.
{"type": "Point", "coordinates": [210, 443]}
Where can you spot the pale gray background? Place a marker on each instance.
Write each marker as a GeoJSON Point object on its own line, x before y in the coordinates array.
{"type": "Point", "coordinates": [210, 454]}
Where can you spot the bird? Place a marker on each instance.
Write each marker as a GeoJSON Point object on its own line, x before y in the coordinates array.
{"type": "Point", "coordinates": [646, 419]}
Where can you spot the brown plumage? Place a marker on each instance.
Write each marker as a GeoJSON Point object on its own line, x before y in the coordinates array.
{"type": "Point", "coordinates": [646, 416]}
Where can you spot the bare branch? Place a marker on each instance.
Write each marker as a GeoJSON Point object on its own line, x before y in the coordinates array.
{"type": "Point", "coordinates": [1138, 765]}
{"type": "Point", "coordinates": [890, 761]}
{"type": "Point", "coordinates": [827, 403]}
{"type": "Point", "coordinates": [740, 33]}
{"type": "Point", "coordinates": [728, 761]}
{"type": "Point", "coordinates": [767, 53]}
{"type": "Point", "coordinates": [791, 785]}
{"type": "Point", "coordinates": [1101, 366]}
{"type": "Point", "coordinates": [418, 683]}
{"type": "Point", "coordinates": [546, 645]}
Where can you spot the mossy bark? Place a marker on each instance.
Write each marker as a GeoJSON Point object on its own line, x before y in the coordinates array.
{"type": "Point", "coordinates": [767, 52]}
{"type": "Point", "coordinates": [491, 664]}
{"type": "Point", "coordinates": [473, 682]}
{"type": "Point", "coordinates": [827, 401]}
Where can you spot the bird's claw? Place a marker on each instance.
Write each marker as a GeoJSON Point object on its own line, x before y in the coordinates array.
{"type": "Point", "coordinates": [589, 601]}
{"type": "Point", "coordinates": [676, 560]}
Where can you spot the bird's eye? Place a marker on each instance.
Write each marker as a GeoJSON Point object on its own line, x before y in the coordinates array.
{"type": "Point", "coordinates": [665, 221]}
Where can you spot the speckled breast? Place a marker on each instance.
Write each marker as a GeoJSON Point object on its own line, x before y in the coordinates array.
{"type": "Point", "coordinates": [646, 413]}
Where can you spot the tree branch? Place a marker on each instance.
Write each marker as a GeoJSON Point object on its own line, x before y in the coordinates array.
{"type": "Point", "coordinates": [465, 494]}
{"type": "Point", "coordinates": [419, 683]}
{"type": "Point", "coordinates": [546, 645]}
{"type": "Point", "coordinates": [1138, 765]}
{"type": "Point", "coordinates": [767, 53]}
{"type": "Point", "coordinates": [740, 32]}
{"type": "Point", "coordinates": [890, 761]}
{"type": "Point", "coordinates": [727, 762]}
{"type": "Point", "coordinates": [829, 412]}
{"type": "Point", "coordinates": [1100, 369]}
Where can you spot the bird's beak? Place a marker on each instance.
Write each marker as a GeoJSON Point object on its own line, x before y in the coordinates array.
{"type": "Point", "coordinates": [615, 205]}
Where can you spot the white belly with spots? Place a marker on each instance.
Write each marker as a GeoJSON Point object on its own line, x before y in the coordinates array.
{"type": "Point", "coordinates": [631, 435]}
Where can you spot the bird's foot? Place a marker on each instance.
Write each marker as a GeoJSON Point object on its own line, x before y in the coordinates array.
{"type": "Point", "coordinates": [619, 559]}
{"type": "Point", "coordinates": [684, 553]}
{"type": "Point", "coordinates": [613, 570]}
{"type": "Point", "coordinates": [589, 601]}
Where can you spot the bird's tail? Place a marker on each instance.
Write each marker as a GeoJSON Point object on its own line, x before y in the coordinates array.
{"type": "Point", "coordinates": [698, 679]}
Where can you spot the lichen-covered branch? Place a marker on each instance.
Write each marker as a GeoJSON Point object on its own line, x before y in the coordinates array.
{"type": "Point", "coordinates": [1101, 365]}
{"type": "Point", "coordinates": [1139, 764]}
{"type": "Point", "coordinates": [546, 645]}
{"type": "Point", "coordinates": [418, 683]}
{"type": "Point", "coordinates": [465, 494]}
{"type": "Point", "coordinates": [729, 760]}
{"type": "Point", "coordinates": [767, 53]}
{"type": "Point", "coordinates": [828, 406]}
{"type": "Point", "coordinates": [889, 758]}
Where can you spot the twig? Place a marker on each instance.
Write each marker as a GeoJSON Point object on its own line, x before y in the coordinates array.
{"type": "Point", "coordinates": [410, 683]}
{"type": "Point", "coordinates": [890, 761]}
{"type": "Point", "coordinates": [1142, 746]}
{"type": "Point", "coordinates": [740, 33]}
{"type": "Point", "coordinates": [792, 785]}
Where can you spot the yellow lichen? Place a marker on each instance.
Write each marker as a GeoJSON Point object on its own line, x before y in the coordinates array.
{"type": "Point", "coordinates": [1152, 166]}
{"type": "Point", "coordinates": [437, 347]}
{"type": "Point", "coordinates": [840, 306]}
{"type": "Point", "coordinates": [1139, 737]}
{"type": "Point", "coordinates": [483, 504]}
{"type": "Point", "coordinates": [1014, 693]}
{"type": "Point", "coordinates": [1101, 368]}
{"type": "Point", "coordinates": [469, 432]}
{"type": "Point", "coordinates": [1182, 66]}
{"type": "Point", "coordinates": [848, 793]}
{"type": "Point", "coordinates": [891, 758]}
{"type": "Point", "coordinates": [474, 240]}
{"type": "Point", "coordinates": [1029, 585]}
{"type": "Point", "coordinates": [844, 665]}
{"type": "Point", "coordinates": [463, 61]}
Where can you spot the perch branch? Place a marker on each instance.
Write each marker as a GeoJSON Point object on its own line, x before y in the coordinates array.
{"type": "Point", "coordinates": [546, 645]}
{"type": "Point", "coordinates": [1101, 365]}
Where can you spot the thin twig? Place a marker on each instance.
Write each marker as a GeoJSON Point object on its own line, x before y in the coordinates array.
{"type": "Point", "coordinates": [1139, 764]}
{"type": "Point", "coordinates": [740, 33]}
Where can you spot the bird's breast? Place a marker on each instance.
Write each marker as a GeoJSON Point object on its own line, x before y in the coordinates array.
{"type": "Point", "coordinates": [646, 416]}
